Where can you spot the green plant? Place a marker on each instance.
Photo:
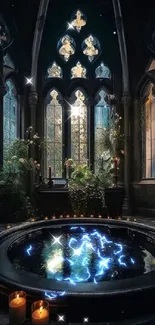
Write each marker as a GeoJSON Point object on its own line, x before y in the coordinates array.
{"type": "Point", "coordinates": [14, 179]}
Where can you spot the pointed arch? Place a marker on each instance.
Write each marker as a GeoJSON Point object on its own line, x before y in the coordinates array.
{"type": "Point", "coordinates": [102, 122]}
{"type": "Point", "coordinates": [10, 115]}
{"type": "Point", "coordinates": [53, 133]}
{"type": "Point", "coordinates": [78, 119]}
{"type": "Point", "coordinates": [148, 132]}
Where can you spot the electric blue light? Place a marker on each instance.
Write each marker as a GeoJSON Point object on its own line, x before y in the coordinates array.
{"type": "Point", "coordinates": [28, 250]}
{"type": "Point", "coordinates": [91, 256]}
{"type": "Point", "coordinates": [54, 295]}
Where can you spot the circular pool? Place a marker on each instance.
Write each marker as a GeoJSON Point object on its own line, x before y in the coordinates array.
{"type": "Point", "coordinates": [80, 259]}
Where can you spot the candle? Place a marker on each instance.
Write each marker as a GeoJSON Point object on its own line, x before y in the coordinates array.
{"type": "Point", "coordinates": [67, 172]}
{"type": "Point", "coordinates": [49, 170]}
{"type": "Point", "coordinates": [40, 313]}
{"type": "Point", "coordinates": [17, 307]}
{"type": "Point", "coordinates": [115, 166]}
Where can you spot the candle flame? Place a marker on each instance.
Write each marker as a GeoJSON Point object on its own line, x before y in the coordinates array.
{"type": "Point", "coordinates": [17, 296]}
{"type": "Point", "coordinates": [41, 309]}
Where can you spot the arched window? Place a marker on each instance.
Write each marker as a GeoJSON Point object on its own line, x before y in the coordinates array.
{"type": "Point", "coordinates": [149, 133]}
{"type": "Point", "coordinates": [53, 133]}
{"type": "Point", "coordinates": [79, 127]}
{"type": "Point", "coordinates": [102, 121]}
{"type": "Point", "coordinates": [10, 115]}
{"type": "Point", "coordinates": [74, 124]}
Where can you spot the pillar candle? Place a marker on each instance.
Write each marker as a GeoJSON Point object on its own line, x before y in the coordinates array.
{"type": "Point", "coordinates": [40, 315]}
{"type": "Point", "coordinates": [115, 166]}
{"type": "Point", "coordinates": [17, 308]}
{"type": "Point", "coordinates": [49, 172]}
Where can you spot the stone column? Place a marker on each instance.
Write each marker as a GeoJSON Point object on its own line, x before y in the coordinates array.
{"type": "Point", "coordinates": [33, 96]}
{"type": "Point", "coordinates": [2, 93]}
{"type": "Point", "coordinates": [126, 101]}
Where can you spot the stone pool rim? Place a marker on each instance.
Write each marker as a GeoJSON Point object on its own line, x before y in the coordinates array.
{"type": "Point", "coordinates": [25, 280]}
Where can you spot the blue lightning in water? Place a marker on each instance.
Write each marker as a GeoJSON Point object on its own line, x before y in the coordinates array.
{"type": "Point", "coordinates": [54, 295]}
{"type": "Point", "coordinates": [92, 257]}
{"type": "Point", "coordinates": [28, 250]}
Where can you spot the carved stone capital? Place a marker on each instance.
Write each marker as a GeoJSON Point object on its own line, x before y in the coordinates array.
{"type": "Point", "coordinates": [33, 99]}
{"type": "Point", "coordinates": [126, 99]}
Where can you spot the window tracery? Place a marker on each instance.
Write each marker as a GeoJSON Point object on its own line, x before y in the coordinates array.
{"type": "Point", "coordinates": [78, 71]}
{"type": "Point", "coordinates": [78, 20]}
{"type": "Point", "coordinates": [76, 129]}
{"type": "Point", "coordinates": [102, 71]}
{"type": "Point", "coordinates": [54, 71]}
{"type": "Point", "coordinates": [91, 47]}
{"type": "Point", "coordinates": [66, 47]}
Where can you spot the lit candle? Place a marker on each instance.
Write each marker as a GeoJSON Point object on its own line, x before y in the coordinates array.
{"type": "Point", "coordinates": [50, 172]}
{"type": "Point", "coordinates": [17, 308]}
{"type": "Point", "coordinates": [40, 315]}
{"type": "Point", "coordinates": [115, 166]}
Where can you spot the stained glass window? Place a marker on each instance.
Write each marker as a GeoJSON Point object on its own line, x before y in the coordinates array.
{"type": "Point", "coordinates": [53, 132]}
{"type": "Point", "coordinates": [79, 127]}
{"type": "Point", "coordinates": [149, 149]}
{"type": "Point", "coordinates": [91, 47]}
{"type": "Point", "coordinates": [102, 116]}
{"type": "Point", "coordinates": [54, 71]}
{"type": "Point", "coordinates": [66, 47]}
{"type": "Point", "coordinates": [10, 105]}
{"type": "Point", "coordinates": [78, 71]}
{"type": "Point", "coordinates": [78, 21]}
{"type": "Point", "coordinates": [102, 71]}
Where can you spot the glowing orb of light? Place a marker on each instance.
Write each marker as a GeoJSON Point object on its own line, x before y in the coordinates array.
{"type": "Point", "coordinates": [54, 264]}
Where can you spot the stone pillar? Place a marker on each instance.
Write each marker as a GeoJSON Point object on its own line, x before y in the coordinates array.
{"type": "Point", "coordinates": [2, 93]}
{"type": "Point", "coordinates": [126, 101]}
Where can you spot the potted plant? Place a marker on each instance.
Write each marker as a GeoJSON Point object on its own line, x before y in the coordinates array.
{"type": "Point", "coordinates": [14, 179]}
{"type": "Point", "coordinates": [85, 193]}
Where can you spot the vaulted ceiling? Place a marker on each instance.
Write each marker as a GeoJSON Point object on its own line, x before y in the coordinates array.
{"type": "Point", "coordinates": [138, 17]}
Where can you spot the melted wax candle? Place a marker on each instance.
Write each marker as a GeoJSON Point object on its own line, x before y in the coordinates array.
{"type": "Point", "coordinates": [40, 316]}
{"type": "Point", "coordinates": [17, 310]}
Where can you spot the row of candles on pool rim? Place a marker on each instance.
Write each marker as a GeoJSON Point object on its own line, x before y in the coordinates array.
{"type": "Point", "coordinates": [17, 310]}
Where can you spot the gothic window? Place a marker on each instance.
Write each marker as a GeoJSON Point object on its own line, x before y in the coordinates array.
{"type": "Point", "coordinates": [91, 47]}
{"type": "Point", "coordinates": [78, 116]}
{"type": "Point", "coordinates": [78, 71]}
{"type": "Point", "coordinates": [66, 47]}
{"type": "Point", "coordinates": [102, 121]}
{"type": "Point", "coordinates": [74, 127]}
{"type": "Point", "coordinates": [54, 71]}
{"type": "Point", "coordinates": [102, 71]}
{"type": "Point", "coordinates": [53, 133]}
{"type": "Point", "coordinates": [149, 119]}
{"type": "Point", "coordinates": [10, 115]}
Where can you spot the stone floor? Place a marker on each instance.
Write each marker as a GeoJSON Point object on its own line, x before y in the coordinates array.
{"type": "Point", "coordinates": [150, 320]}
